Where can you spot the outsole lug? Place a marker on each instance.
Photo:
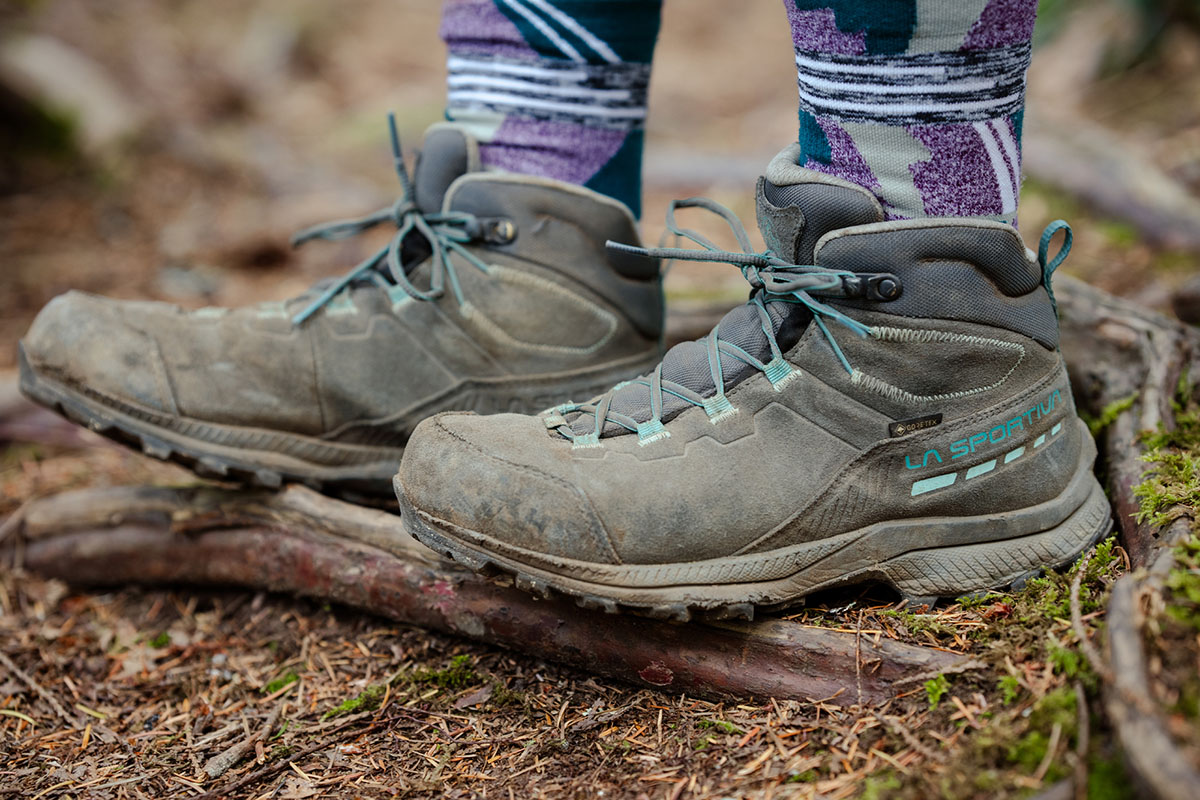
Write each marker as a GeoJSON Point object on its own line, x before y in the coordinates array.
{"type": "Point", "coordinates": [924, 601]}
{"type": "Point", "coordinates": [156, 449]}
{"type": "Point", "coordinates": [268, 479]}
{"type": "Point", "coordinates": [733, 611]}
{"type": "Point", "coordinates": [1024, 578]}
{"type": "Point", "coordinates": [670, 612]}
{"type": "Point", "coordinates": [358, 490]}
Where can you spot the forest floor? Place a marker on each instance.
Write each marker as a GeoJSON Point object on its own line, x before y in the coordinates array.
{"type": "Point", "coordinates": [234, 124]}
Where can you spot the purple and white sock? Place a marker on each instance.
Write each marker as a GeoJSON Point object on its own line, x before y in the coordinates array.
{"type": "Point", "coordinates": [555, 88]}
{"type": "Point", "coordinates": [920, 101]}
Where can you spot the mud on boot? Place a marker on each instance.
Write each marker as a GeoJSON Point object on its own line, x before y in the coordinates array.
{"type": "Point", "coordinates": [495, 294]}
{"type": "Point", "coordinates": [891, 405]}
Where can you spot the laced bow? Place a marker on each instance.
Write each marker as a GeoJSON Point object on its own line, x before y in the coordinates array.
{"type": "Point", "coordinates": [445, 232]}
{"type": "Point", "coordinates": [773, 280]}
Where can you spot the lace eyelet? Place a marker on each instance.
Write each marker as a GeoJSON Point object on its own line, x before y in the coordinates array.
{"type": "Point", "coordinates": [499, 231]}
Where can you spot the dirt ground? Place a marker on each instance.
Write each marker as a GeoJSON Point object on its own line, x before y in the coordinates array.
{"type": "Point", "coordinates": [223, 127]}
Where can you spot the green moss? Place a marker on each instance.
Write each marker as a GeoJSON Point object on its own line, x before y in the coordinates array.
{"type": "Point", "coordinates": [880, 786]}
{"type": "Point", "coordinates": [1010, 689]}
{"type": "Point", "coordinates": [366, 700]}
{"type": "Point", "coordinates": [1183, 584]}
{"type": "Point", "coordinates": [1067, 662]}
{"type": "Point", "coordinates": [1108, 414]}
{"type": "Point", "coordinates": [503, 696]}
{"type": "Point", "coordinates": [161, 641]}
{"type": "Point", "coordinates": [458, 675]}
{"type": "Point", "coordinates": [935, 690]}
{"type": "Point", "coordinates": [919, 623]}
{"type": "Point", "coordinates": [1107, 779]}
{"type": "Point", "coordinates": [808, 776]}
{"type": "Point", "coordinates": [1171, 486]}
{"type": "Point", "coordinates": [280, 682]}
{"type": "Point", "coordinates": [719, 724]}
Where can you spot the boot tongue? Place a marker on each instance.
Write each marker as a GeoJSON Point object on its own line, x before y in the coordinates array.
{"type": "Point", "coordinates": [794, 215]}
{"type": "Point", "coordinates": [448, 153]}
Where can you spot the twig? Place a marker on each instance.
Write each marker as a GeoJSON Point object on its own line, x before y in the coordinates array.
{"type": "Point", "coordinates": [1048, 759]}
{"type": "Point", "coordinates": [910, 738]}
{"type": "Point", "coordinates": [966, 665]}
{"type": "Point", "coordinates": [1085, 644]}
{"type": "Point", "coordinates": [13, 521]}
{"type": "Point", "coordinates": [1082, 742]}
{"type": "Point", "coordinates": [858, 657]}
{"type": "Point", "coordinates": [271, 769]}
{"type": "Point", "coordinates": [220, 763]}
{"type": "Point", "coordinates": [37, 688]}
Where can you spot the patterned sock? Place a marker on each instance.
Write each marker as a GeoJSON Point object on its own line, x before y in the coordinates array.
{"type": "Point", "coordinates": [919, 101]}
{"type": "Point", "coordinates": [555, 88]}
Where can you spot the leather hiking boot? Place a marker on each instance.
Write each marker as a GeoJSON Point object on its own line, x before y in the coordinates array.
{"type": "Point", "coordinates": [890, 405]}
{"type": "Point", "coordinates": [495, 294]}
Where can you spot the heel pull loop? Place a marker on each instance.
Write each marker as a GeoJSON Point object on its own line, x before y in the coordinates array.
{"type": "Point", "coordinates": [1049, 266]}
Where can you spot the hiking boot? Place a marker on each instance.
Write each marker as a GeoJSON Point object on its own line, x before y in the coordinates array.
{"type": "Point", "coordinates": [495, 294]}
{"type": "Point", "coordinates": [890, 405]}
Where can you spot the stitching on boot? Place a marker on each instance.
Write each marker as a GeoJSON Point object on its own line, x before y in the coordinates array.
{"type": "Point", "coordinates": [925, 336]}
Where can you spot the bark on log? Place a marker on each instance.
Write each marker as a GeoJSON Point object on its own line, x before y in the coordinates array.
{"type": "Point", "coordinates": [1119, 352]}
{"type": "Point", "coordinates": [1157, 764]}
{"type": "Point", "coordinates": [301, 542]}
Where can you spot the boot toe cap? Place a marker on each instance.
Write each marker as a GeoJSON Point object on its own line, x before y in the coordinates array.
{"type": "Point", "coordinates": [500, 482]}
{"type": "Point", "coordinates": [93, 343]}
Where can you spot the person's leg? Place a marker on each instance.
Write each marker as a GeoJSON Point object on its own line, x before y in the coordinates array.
{"type": "Point", "coordinates": [919, 101]}
{"type": "Point", "coordinates": [555, 88]}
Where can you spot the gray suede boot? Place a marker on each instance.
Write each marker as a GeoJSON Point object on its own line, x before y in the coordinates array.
{"type": "Point", "coordinates": [890, 405]}
{"type": "Point", "coordinates": [495, 294]}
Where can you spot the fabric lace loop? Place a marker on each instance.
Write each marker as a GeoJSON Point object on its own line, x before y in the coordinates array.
{"type": "Point", "coordinates": [773, 280]}
{"type": "Point", "coordinates": [444, 232]}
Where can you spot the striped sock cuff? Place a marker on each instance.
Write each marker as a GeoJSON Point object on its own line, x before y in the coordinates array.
{"type": "Point", "coordinates": [920, 89]}
{"type": "Point", "coordinates": [606, 95]}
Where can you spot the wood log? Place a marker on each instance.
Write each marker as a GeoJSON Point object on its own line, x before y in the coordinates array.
{"type": "Point", "coordinates": [1118, 352]}
{"type": "Point", "coordinates": [301, 542]}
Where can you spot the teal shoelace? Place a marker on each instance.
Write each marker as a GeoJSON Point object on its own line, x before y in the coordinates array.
{"type": "Point", "coordinates": [773, 280]}
{"type": "Point", "coordinates": [444, 232]}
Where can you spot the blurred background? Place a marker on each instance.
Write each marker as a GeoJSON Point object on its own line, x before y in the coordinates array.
{"type": "Point", "coordinates": [167, 148]}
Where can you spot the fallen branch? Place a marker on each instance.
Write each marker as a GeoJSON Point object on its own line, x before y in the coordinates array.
{"type": "Point", "coordinates": [301, 542]}
{"type": "Point", "coordinates": [220, 763]}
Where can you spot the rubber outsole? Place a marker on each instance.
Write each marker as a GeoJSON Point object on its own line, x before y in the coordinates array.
{"type": "Point", "coordinates": [922, 576]}
{"type": "Point", "coordinates": [206, 459]}
{"type": "Point", "coordinates": [227, 453]}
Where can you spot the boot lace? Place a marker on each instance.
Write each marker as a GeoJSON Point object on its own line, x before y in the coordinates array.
{"type": "Point", "coordinates": [443, 232]}
{"type": "Point", "coordinates": [773, 280]}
